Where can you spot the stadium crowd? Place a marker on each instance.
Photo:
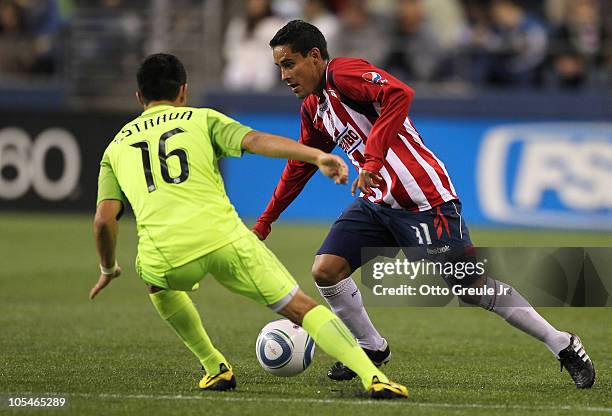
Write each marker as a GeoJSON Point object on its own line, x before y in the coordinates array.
{"type": "Point", "coordinates": [29, 35]}
{"type": "Point", "coordinates": [550, 43]}
{"type": "Point", "coordinates": [518, 43]}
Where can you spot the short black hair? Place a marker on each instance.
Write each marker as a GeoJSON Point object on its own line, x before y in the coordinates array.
{"type": "Point", "coordinates": [301, 37]}
{"type": "Point", "coordinates": [160, 77]}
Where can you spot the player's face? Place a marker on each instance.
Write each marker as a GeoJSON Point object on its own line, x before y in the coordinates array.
{"type": "Point", "coordinates": [301, 73]}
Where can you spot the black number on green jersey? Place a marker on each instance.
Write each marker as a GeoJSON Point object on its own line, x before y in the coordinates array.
{"type": "Point", "coordinates": [146, 164]}
{"type": "Point", "coordinates": [180, 153]}
{"type": "Point", "coordinates": [163, 157]}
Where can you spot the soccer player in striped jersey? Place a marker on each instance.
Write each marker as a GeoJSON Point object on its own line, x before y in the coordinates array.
{"type": "Point", "coordinates": [165, 165]}
{"type": "Point", "coordinates": [407, 196]}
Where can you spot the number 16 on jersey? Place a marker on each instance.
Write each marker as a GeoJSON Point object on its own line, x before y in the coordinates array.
{"type": "Point", "coordinates": [163, 157]}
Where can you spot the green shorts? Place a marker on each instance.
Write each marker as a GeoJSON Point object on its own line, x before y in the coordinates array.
{"type": "Point", "coordinates": [245, 266]}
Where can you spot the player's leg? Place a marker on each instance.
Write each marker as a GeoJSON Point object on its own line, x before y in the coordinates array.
{"type": "Point", "coordinates": [332, 275]}
{"type": "Point", "coordinates": [176, 308]}
{"type": "Point", "coordinates": [443, 231]}
{"type": "Point", "coordinates": [249, 268]}
{"type": "Point", "coordinates": [340, 255]}
{"type": "Point", "coordinates": [449, 231]}
{"type": "Point", "coordinates": [333, 337]}
{"type": "Point", "coordinates": [509, 304]}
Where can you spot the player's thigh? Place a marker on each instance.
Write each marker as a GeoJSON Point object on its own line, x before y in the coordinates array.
{"type": "Point", "coordinates": [435, 228]}
{"type": "Point", "coordinates": [439, 234]}
{"type": "Point", "coordinates": [185, 277]}
{"type": "Point", "coordinates": [247, 267]}
{"type": "Point", "coordinates": [356, 228]}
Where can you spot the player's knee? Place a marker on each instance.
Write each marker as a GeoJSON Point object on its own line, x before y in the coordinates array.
{"type": "Point", "coordinates": [298, 307]}
{"type": "Point", "coordinates": [323, 276]}
{"type": "Point", "coordinates": [154, 289]}
{"type": "Point", "coordinates": [329, 271]}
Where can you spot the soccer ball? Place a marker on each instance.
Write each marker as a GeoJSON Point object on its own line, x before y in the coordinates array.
{"type": "Point", "coordinates": [284, 348]}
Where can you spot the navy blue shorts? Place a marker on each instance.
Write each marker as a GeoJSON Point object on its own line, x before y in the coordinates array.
{"type": "Point", "coordinates": [439, 234]}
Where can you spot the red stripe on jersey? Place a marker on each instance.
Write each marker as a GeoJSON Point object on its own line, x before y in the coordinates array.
{"type": "Point", "coordinates": [340, 117]}
{"type": "Point", "coordinates": [418, 172]}
{"type": "Point", "coordinates": [414, 128]}
{"type": "Point", "coordinates": [383, 190]}
{"type": "Point", "coordinates": [344, 115]}
{"type": "Point", "coordinates": [398, 191]}
{"type": "Point", "coordinates": [358, 157]}
{"type": "Point", "coordinates": [441, 172]}
{"type": "Point", "coordinates": [429, 157]}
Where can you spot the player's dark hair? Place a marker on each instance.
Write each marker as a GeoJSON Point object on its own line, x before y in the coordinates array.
{"type": "Point", "coordinates": [301, 37]}
{"type": "Point", "coordinates": [160, 77]}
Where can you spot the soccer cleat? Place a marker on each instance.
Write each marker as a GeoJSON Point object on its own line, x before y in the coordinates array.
{"type": "Point", "coordinates": [222, 381]}
{"type": "Point", "coordinates": [390, 390]}
{"type": "Point", "coordinates": [340, 372]}
{"type": "Point", "coordinates": [577, 363]}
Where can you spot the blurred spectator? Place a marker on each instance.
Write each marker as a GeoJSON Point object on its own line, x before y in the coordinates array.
{"type": "Point", "coordinates": [448, 19]}
{"type": "Point", "coordinates": [475, 40]}
{"type": "Point", "coordinates": [66, 8]}
{"type": "Point", "coordinates": [577, 45]}
{"type": "Point", "coordinates": [14, 48]}
{"type": "Point", "coordinates": [248, 59]}
{"type": "Point", "coordinates": [511, 49]}
{"type": "Point", "coordinates": [317, 13]}
{"type": "Point", "coordinates": [518, 46]}
{"type": "Point", "coordinates": [43, 22]}
{"type": "Point", "coordinates": [416, 52]}
{"type": "Point", "coordinates": [108, 32]}
{"type": "Point", "coordinates": [363, 34]}
{"type": "Point", "coordinates": [555, 11]}
{"type": "Point", "coordinates": [286, 9]}
{"type": "Point", "coordinates": [28, 35]}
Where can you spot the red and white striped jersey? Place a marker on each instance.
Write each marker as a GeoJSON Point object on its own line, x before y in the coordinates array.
{"type": "Point", "coordinates": [364, 110]}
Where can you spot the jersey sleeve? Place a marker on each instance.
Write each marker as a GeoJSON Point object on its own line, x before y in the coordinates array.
{"type": "Point", "coordinates": [363, 82]}
{"type": "Point", "coordinates": [226, 134]}
{"type": "Point", "coordinates": [295, 175]}
{"type": "Point", "coordinates": [108, 186]}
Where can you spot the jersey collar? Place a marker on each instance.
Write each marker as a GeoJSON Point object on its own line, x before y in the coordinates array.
{"type": "Point", "coordinates": [156, 108]}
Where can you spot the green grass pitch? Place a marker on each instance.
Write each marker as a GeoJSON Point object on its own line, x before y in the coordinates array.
{"type": "Point", "coordinates": [115, 356]}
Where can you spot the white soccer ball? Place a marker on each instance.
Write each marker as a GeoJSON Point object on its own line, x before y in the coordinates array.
{"type": "Point", "coordinates": [284, 348]}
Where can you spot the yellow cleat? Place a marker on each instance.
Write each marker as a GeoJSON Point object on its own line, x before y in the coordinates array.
{"type": "Point", "coordinates": [222, 381]}
{"type": "Point", "coordinates": [390, 390]}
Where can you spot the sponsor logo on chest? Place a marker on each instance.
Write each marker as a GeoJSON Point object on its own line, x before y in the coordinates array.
{"type": "Point", "coordinates": [344, 135]}
{"type": "Point", "coordinates": [348, 140]}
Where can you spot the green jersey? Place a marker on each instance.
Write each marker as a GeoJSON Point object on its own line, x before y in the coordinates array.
{"type": "Point", "coordinates": [165, 163]}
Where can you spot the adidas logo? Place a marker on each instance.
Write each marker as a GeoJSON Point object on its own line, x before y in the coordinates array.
{"type": "Point", "coordinates": [579, 349]}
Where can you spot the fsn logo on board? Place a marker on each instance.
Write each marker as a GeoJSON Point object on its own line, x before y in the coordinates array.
{"type": "Point", "coordinates": [547, 174]}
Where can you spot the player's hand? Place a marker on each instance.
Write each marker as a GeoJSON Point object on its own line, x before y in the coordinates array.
{"type": "Point", "coordinates": [354, 186]}
{"type": "Point", "coordinates": [366, 181]}
{"type": "Point", "coordinates": [103, 281]}
{"type": "Point", "coordinates": [333, 167]}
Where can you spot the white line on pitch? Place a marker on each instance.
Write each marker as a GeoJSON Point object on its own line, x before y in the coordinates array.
{"type": "Point", "coordinates": [227, 398]}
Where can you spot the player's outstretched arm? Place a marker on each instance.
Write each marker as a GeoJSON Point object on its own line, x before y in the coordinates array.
{"type": "Point", "coordinates": [106, 228]}
{"type": "Point", "coordinates": [271, 145]}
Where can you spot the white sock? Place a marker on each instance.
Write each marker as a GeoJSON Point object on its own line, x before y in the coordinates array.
{"type": "Point", "coordinates": [519, 313]}
{"type": "Point", "coordinates": [344, 299]}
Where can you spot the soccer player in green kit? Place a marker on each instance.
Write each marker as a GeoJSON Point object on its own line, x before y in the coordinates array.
{"type": "Point", "coordinates": [164, 164]}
